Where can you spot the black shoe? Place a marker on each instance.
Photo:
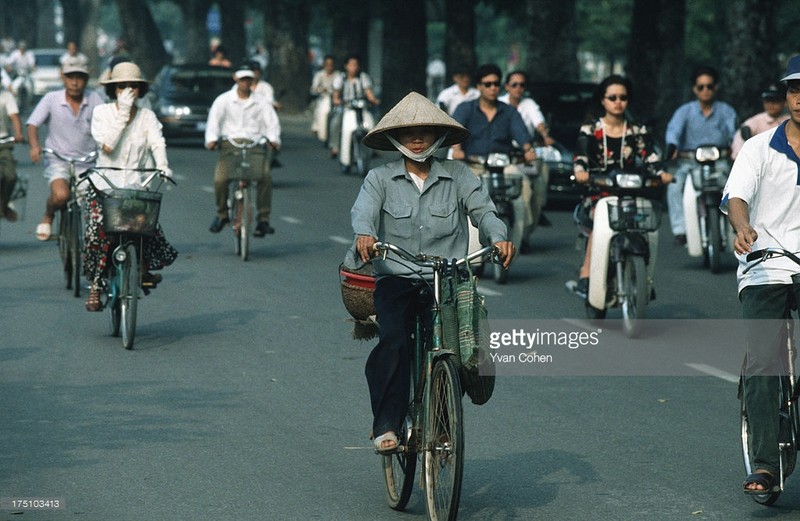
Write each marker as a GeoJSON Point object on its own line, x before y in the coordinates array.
{"type": "Point", "coordinates": [218, 224]}
{"type": "Point", "coordinates": [263, 228]}
{"type": "Point", "coordinates": [544, 221]}
{"type": "Point", "coordinates": [150, 280]}
{"type": "Point", "coordinates": [680, 239]}
{"type": "Point", "coordinates": [582, 289]}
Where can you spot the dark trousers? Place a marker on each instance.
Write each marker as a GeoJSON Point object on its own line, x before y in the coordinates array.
{"type": "Point", "coordinates": [388, 368]}
{"type": "Point", "coordinates": [763, 307]}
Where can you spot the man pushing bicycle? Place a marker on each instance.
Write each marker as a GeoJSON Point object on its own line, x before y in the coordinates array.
{"type": "Point", "coordinates": [762, 200]}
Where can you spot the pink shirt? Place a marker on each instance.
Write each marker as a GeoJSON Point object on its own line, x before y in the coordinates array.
{"type": "Point", "coordinates": [759, 123]}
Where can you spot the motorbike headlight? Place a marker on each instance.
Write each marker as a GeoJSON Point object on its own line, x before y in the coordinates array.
{"type": "Point", "coordinates": [706, 154]}
{"type": "Point", "coordinates": [120, 255]}
{"type": "Point", "coordinates": [629, 181]}
{"type": "Point", "coordinates": [498, 160]}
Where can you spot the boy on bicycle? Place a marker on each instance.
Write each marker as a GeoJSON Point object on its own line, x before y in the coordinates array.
{"type": "Point", "coordinates": [419, 203]}
{"type": "Point", "coordinates": [763, 205]}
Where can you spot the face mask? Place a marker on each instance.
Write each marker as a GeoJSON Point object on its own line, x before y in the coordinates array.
{"type": "Point", "coordinates": [420, 157]}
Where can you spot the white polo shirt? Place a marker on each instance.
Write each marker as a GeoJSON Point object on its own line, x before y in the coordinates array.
{"type": "Point", "coordinates": [766, 175]}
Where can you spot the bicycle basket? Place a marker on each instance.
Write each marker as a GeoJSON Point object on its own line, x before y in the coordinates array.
{"type": "Point", "coordinates": [511, 184]}
{"type": "Point", "coordinates": [634, 214]}
{"type": "Point", "coordinates": [130, 211]}
{"type": "Point", "coordinates": [251, 169]}
{"type": "Point", "coordinates": [357, 289]}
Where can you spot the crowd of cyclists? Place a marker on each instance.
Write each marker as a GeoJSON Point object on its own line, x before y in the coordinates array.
{"type": "Point", "coordinates": [127, 134]}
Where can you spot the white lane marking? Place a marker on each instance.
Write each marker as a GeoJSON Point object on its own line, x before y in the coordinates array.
{"type": "Point", "coordinates": [582, 324]}
{"type": "Point", "coordinates": [340, 239]}
{"type": "Point", "coordinates": [291, 220]}
{"type": "Point", "coordinates": [207, 189]}
{"type": "Point", "coordinates": [489, 292]}
{"type": "Point", "coordinates": [713, 371]}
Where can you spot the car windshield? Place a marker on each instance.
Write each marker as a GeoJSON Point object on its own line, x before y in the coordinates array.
{"type": "Point", "coordinates": [565, 107]}
{"type": "Point", "coordinates": [198, 83]}
{"type": "Point", "coordinates": [48, 60]}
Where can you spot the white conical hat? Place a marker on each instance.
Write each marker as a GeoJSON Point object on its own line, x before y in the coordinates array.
{"type": "Point", "coordinates": [415, 110]}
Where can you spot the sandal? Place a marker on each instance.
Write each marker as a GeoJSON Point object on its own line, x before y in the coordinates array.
{"type": "Point", "coordinates": [44, 231]}
{"type": "Point", "coordinates": [390, 437]}
{"type": "Point", "coordinates": [766, 480]}
{"type": "Point", "coordinates": [93, 300]}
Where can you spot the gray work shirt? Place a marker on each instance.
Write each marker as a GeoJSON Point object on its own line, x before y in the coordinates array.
{"type": "Point", "coordinates": [391, 208]}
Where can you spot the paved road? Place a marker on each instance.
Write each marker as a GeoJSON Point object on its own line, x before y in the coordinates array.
{"type": "Point", "coordinates": [244, 397]}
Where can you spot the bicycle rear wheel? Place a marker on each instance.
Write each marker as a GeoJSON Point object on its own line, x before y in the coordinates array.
{"type": "Point", "coordinates": [398, 470]}
{"type": "Point", "coordinates": [129, 296]}
{"type": "Point", "coordinates": [444, 453]}
{"type": "Point", "coordinates": [246, 213]}
{"type": "Point", "coordinates": [64, 245]}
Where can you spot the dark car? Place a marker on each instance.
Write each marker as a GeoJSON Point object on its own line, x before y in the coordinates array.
{"type": "Point", "coordinates": [181, 96]}
{"type": "Point", "coordinates": [565, 106]}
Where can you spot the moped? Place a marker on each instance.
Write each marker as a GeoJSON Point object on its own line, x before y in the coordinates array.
{"type": "Point", "coordinates": [707, 230]}
{"type": "Point", "coordinates": [505, 189]}
{"type": "Point", "coordinates": [624, 239]}
{"type": "Point", "coordinates": [357, 121]}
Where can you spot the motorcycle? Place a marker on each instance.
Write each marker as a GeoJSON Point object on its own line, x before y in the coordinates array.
{"type": "Point", "coordinates": [624, 235]}
{"type": "Point", "coordinates": [707, 230]}
{"type": "Point", "coordinates": [357, 121]}
{"type": "Point", "coordinates": [505, 189]}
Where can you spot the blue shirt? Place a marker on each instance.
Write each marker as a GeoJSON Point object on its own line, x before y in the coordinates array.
{"type": "Point", "coordinates": [491, 136]}
{"type": "Point", "coordinates": [689, 127]}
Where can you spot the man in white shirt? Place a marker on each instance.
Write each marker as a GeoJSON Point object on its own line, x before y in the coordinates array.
{"type": "Point", "coordinates": [239, 114]}
{"type": "Point", "coordinates": [762, 201]}
{"type": "Point", "coordinates": [457, 93]}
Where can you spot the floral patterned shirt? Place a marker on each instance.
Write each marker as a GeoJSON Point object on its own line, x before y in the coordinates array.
{"type": "Point", "coordinates": [595, 153]}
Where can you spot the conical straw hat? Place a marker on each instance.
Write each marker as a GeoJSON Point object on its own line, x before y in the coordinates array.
{"type": "Point", "coordinates": [415, 110]}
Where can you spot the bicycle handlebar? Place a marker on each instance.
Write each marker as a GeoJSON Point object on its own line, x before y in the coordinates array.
{"type": "Point", "coordinates": [762, 255]}
{"type": "Point", "coordinates": [261, 141]}
{"type": "Point", "coordinates": [155, 172]}
{"type": "Point", "coordinates": [424, 260]}
{"type": "Point", "coordinates": [85, 159]}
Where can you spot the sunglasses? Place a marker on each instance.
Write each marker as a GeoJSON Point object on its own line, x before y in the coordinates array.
{"type": "Point", "coordinates": [614, 97]}
{"type": "Point", "coordinates": [705, 86]}
{"type": "Point", "coordinates": [515, 85]}
{"type": "Point", "coordinates": [489, 84]}
{"type": "Point", "coordinates": [131, 85]}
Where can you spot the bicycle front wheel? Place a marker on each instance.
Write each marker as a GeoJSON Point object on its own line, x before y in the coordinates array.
{"type": "Point", "coordinates": [444, 451]}
{"type": "Point", "coordinates": [246, 213]}
{"type": "Point", "coordinates": [64, 245]}
{"type": "Point", "coordinates": [129, 296]}
{"type": "Point", "coordinates": [788, 454]}
{"type": "Point", "coordinates": [398, 470]}
{"type": "Point", "coordinates": [75, 249]}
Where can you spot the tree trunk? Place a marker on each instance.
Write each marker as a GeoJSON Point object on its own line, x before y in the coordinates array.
{"type": "Point", "coordinates": [194, 15]}
{"type": "Point", "coordinates": [73, 20]}
{"type": "Point", "coordinates": [350, 31]}
{"type": "Point", "coordinates": [45, 24]}
{"type": "Point", "coordinates": [286, 25]}
{"type": "Point", "coordinates": [405, 50]}
{"type": "Point", "coordinates": [656, 60]}
{"type": "Point", "coordinates": [233, 37]}
{"type": "Point", "coordinates": [459, 35]}
{"type": "Point", "coordinates": [552, 46]}
{"type": "Point", "coordinates": [89, 11]}
{"type": "Point", "coordinates": [142, 37]}
{"type": "Point", "coordinates": [750, 64]}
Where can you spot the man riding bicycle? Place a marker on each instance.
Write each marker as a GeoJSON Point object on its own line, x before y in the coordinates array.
{"type": "Point", "coordinates": [241, 114]}
{"type": "Point", "coordinates": [9, 113]}
{"type": "Point", "coordinates": [419, 203]}
{"type": "Point", "coordinates": [68, 114]}
{"type": "Point", "coordinates": [763, 206]}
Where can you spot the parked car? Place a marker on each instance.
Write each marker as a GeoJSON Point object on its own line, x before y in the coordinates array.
{"type": "Point", "coordinates": [181, 96]}
{"type": "Point", "coordinates": [565, 106]}
{"type": "Point", "coordinates": [47, 74]}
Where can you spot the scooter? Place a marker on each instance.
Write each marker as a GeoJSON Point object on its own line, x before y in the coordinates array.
{"type": "Point", "coordinates": [707, 230]}
{"type": "Point", "coordinates": [624, 245]}
{"type": "Point", "coordinates": [505, 189]}
{"type": "Point", "coordinates": [357, 121]}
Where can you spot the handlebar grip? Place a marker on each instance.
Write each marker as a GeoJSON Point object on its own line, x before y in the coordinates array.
{"type": "Point", "coordinates": [755, 255]}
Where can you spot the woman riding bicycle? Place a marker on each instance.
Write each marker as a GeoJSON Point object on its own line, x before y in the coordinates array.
{"type": "Point", "coordinates": [128, 137]}
{"type": "Point", "coordinates": [421, 204]}
{"type": "Point", "coordinates": [608, 142]}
